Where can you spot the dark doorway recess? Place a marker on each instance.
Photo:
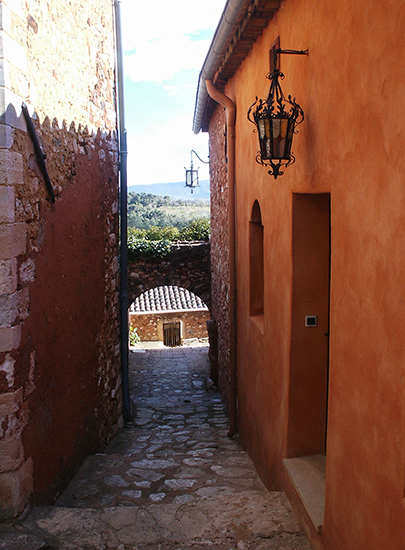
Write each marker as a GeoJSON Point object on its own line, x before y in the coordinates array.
{"type": "Point", "coordinates": [172, 334]}
{"type": "Point", "coordinates": [309, 364]}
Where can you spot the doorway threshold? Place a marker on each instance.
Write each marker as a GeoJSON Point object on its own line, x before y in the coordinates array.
{"type": "Point", "coordinates": [307, 474]}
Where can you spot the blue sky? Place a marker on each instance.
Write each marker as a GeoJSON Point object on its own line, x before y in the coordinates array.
{"type": "Point", "coordinates": [165, 44]}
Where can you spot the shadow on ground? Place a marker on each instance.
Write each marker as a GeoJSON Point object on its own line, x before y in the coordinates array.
{"type": "Point", "coordinates": [171, 481]}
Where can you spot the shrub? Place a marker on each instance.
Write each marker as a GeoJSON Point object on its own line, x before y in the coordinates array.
{"type": "Point", "coordinates": [134, 337]}
{"type": "Point", "coordinates": [143, 247]}
{"type": "Point", "coordinates": [155, 242]}
{"type": "Point", "coordinates": [136, 233]}
{"type": "Point", "coordinates": [196, 230]}
{"type": "Point", "coordinates": [162, 233]}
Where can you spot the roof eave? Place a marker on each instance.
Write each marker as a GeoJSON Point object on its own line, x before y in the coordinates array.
{"type": "Point", "coordinates": [241, 23]}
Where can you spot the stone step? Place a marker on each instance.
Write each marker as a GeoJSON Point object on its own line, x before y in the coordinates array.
{"type": "Point", "coordinates": [250, 518]}
{"type": "Point", "coordinates": [20, 541]}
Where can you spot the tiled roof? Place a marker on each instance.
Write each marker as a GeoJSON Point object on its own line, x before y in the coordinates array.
{"type": "Point", "coordinates": [166, 298]}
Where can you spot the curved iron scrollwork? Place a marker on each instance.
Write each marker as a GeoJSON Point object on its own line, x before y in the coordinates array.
{"type": "Point", "coordinates": [276, 119]}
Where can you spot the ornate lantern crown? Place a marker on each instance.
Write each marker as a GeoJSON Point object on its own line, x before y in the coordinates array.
{"type": "Point", "coordinates": [276, 119]}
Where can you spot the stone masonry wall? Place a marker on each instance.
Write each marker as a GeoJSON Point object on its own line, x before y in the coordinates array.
{"type": "Point", "coordinates": [59, 345]}
{"type": "Point", "coordinates": [220, 246]}
{"type": "Point", "coordinates": [150, 325]}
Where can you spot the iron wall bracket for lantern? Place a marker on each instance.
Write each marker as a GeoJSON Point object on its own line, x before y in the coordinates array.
{"type": "Point", "coordinates": [192, 174]}
{"type": "Point", "coordinates": [276, 119]}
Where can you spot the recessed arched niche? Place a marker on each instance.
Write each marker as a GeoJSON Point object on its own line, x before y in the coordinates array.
{"type": "Point", "coordinates": [256, 261]}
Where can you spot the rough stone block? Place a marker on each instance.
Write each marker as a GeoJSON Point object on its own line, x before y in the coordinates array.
{"type": "Point", "coordinates": [10, 338]}
{"type": "Point", "coordinates": [14, 307]}
{"type": "Point", "coordinates": [11, 454]}
{"type": "Point", "coordinates": [114, 266]}
{"type": "Point", "coordinates": [13, 240]}
{"type": "Point", "coordinates": [13, 414]}
{"type": "Point", "coordinates": [10, 403]}
{"type": "Point", "coordinates": [7, 312]}
{"type": "Point", "coordinates": [4, 73]}
{"type": "Point", "coordinates": [6, 204]}
{"type": "Point", "coordinates": [11, 163]}
{"type": "Point", "coordinates": [27, 271]}
{"type": "Point", "coordinates": [15, 490]}
{"type": "Point", "coordinates": [7, 367]}
{"type": "Point", "coordinates": [22, 301]}
{"type": "Point", "coordinates": [6, 140]}
{"type": "Point", "coordinates": [5, 18]}
{"type": "Point", "coordinates": [12, 52]}
{"type": "Point", "coordinates": [8, 276]}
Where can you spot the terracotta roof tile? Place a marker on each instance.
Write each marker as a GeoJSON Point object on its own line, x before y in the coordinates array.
{"type": "Point", "coordinates": [167, 298]}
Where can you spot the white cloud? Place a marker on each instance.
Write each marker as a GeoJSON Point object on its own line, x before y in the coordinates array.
{"type": "Point", "coordinates": [161, 60]}
{"type": "Point", "coordinates": [161, 157]}
{"type": "Point", "coordinates": [171, 90]}
{"type": "Point", "coordinates": [160, 37]}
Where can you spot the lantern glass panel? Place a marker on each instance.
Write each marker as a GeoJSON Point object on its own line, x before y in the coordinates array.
{"type": "Point", "coordinates": [268, 149]}
{"type": "Point", "coordinates": [284, 127]}
{"type": "Point", "coordinates": [191, 178]}
{"type": "Point", "coordinates": [188, 177]}
{"type": "Point", "coordinates": [276, 127]}
{"type": "Point", "coordinates": [261, 128]}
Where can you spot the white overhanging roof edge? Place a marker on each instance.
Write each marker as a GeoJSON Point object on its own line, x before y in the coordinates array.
{"type": "Point", "coordinates": [224, 33]}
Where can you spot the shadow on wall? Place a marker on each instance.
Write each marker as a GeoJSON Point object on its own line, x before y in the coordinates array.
{"type": "Point", "coordinates": [58, 305]}
{"type": "Point", "coordinates": [187, 266]}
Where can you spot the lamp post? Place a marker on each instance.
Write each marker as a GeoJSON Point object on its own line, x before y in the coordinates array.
{"type": "Point", "coordinates": [192, 174]}
{"type": "Point", "coordinates": [276, 119]}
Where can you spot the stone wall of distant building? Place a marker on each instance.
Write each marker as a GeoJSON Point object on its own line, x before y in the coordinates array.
{"type": "Point", "coordinates": [150, 325]}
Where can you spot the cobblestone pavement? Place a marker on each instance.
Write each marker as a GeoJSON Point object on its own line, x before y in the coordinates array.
{"type": "Point", "coordinates": [172, 481]}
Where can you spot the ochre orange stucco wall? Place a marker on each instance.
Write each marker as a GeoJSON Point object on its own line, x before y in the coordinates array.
{"type": "Point", "coordinates": [351, 145]}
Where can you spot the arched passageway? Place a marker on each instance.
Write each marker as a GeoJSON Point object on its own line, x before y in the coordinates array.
{"type": "Point", "coordinates": [187, 266]}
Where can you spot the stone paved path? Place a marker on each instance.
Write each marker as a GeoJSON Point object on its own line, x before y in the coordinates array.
{"type": "Point", "coordinates": [172, 481]}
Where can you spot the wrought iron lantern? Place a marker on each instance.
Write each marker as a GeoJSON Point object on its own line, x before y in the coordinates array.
{"type": "Point", "coordinates": [276, 119]}
{"type": "Point", "coordinates": [192, 174]}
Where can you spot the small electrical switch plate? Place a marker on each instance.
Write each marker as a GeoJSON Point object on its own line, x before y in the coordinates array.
{"type": "Point", "coordinates": [311, 320]}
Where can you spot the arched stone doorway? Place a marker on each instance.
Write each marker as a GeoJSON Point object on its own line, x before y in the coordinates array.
{"type": "Point", "coordinates": [187, 266]}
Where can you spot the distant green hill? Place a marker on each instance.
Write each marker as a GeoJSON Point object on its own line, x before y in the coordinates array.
{"type": "Point", "coordinates": [176, 190]}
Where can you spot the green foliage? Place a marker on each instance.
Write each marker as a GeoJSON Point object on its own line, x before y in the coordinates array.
{"type": "Point", "coordinates": [134, 337]}
{"type": "Point", "coordinates": [144, 247]}
{"type": "Point", "coordinates": [154, 222]}
{"type": "Point", "coordinates": [162, 233]}
{"type": "Point", "coordinates": [136, 233]}
{"type": "Point", "coordinates": [196, 230]}
{"type": "Point", "coordinates": [155, 242]}
{"type": "Point", "coordinates": [146, 210]}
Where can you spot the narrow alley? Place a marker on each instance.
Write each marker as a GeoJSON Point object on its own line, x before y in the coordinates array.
{"type": "Point", "coordinates": [173, 480]}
